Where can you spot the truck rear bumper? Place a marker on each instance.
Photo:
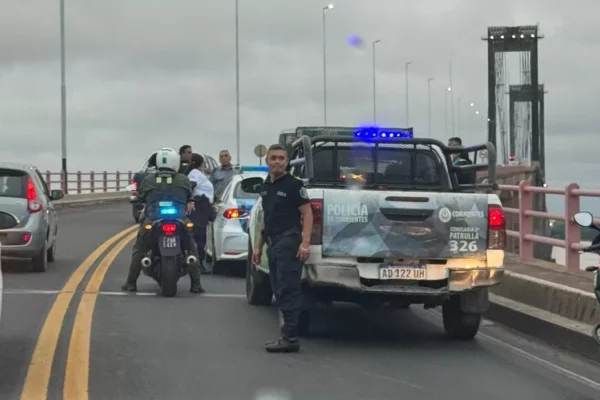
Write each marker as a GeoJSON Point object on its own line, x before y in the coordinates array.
{"type": "Point", "coordinates": [348, 277]}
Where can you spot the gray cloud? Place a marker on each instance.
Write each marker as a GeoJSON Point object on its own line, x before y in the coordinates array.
{"type": "Point", "coordinates": [147, 74]}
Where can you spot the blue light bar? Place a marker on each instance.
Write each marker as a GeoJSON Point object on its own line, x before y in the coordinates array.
{"type": "Point", "coordinates": [254, 168]}
{"type": "Point", "coordinates": [386, 134]}
{"type": "Point", "coordinates": [168, 211]}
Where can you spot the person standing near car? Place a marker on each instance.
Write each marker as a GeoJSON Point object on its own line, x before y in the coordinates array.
{"type": "Point", "coordinates": [286, 228]}
{"type": "Point", "coordinates": [220, 176]}
{"type": "Point", "coordinates": [203, 212]}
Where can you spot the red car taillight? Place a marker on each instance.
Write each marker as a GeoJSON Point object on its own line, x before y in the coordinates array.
{"type": "Point", "coordinates": [316, 236]}
{"type": "Point", "coordinates": [33, 202]}
{"type": "Point", "coordinates": [496, 228]}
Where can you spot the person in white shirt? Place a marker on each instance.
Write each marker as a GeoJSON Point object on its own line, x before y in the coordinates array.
{"type": "Point", "coordinates": [204, 196]}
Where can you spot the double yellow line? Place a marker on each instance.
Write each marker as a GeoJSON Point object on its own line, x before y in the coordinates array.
{"type": "Point", "coordinates": [78, 361]}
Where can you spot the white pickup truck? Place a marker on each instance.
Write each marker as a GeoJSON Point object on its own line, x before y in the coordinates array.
{"type": "Point", "coordinates": [392, 226]}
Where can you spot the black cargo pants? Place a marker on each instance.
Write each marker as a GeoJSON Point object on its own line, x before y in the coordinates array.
{"type": "Point", "coordinates": [285, 273]}
{"type": "Point", "coordinates": [142, 245]}
{"type": "Point", "coordinates": [202, 214]}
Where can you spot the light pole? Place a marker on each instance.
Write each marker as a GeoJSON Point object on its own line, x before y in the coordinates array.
{"type": "Point", "coordinates": [446, 94]}
{"type": "Point", "coordinates": [63, 98]}
{"type": "Point", "coordinates": [451, 100]}
{"type": "Point", "coordinates": [325, 9]}
{"type": "Point", "coordinates": [237, 84]}
{"type": "Point", "coordinates": [458, 115]}
{"type": "Point", "coordinates": [406, 74]}
{"type": "Point", "coordinates": [429, 103]}
{"type": "Point", "coordinates": [374, 84]}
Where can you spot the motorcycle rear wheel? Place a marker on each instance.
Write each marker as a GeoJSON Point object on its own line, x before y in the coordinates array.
{"type": "Point", "coordinates": [168, 276]}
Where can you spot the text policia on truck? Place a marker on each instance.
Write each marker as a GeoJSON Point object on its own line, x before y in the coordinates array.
{"type": "Point", "coordinates": [392, 225]}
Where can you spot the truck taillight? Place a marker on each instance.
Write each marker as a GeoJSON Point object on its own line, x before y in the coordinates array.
{"type": "Point", "coordinates": [33, 202]}
{"type": "Point", "coordinates": [496, 228]}
{"type": "Point", "coordinates": [317, 231]}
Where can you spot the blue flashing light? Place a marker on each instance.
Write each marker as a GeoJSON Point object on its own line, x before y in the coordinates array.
{"type": "Point", "coordinates": [387, 134]}
{"type": "Point", "coordinates": [255, 168]}
{"type": "Point", "coordinates": [168, 211]}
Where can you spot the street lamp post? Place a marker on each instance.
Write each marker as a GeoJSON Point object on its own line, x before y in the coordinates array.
{"type": "Point", "coordinates": [237, 84]}
{"type": "Point", "coordinates": [429, 103]}
{"type": "Point", "coordinates": [406, 75]}
{"type": "Point", "coordinates": [374, 84]}
{"type": "Point", "coordinates": [325, 9]}
{"type": "Point", "coordinates": [63, 98]}
{"type": "Point", "coordinates": [446, 94]}
{"type": "Point", "coordinates": [459, 102]}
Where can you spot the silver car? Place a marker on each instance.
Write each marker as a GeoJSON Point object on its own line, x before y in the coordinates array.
{"type": "Point", "coordinates": [28, 222]}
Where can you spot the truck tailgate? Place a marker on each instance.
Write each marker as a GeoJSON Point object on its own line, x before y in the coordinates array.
{"type": "Point", "coordinates": [401, 225]}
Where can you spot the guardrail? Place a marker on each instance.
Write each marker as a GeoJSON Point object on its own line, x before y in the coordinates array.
{"type": "Point", "coordinates": [572, 243]}
{"type": "Point", "coordinates": [89, 182]}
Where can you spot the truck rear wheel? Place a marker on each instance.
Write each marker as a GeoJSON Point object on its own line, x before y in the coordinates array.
{"type": "Point", "coordinates": [457, 323]}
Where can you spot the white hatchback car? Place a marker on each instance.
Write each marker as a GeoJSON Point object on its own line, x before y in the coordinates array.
{"type": "Point", "coordinates": [227, 236]}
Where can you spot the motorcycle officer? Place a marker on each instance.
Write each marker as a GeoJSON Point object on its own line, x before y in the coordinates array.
{"type": "Point", "coordinates": [166, 183]}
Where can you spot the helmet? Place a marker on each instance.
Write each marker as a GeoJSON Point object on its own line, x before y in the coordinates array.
{"type": "Point", "coordinates": [167, 158]}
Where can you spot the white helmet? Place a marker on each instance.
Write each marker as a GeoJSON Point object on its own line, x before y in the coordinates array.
{"type": "Point", "coordinates": [167, 159]}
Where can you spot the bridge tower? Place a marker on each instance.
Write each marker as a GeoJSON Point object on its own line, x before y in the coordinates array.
{"type": "Point", "coordinates": [520, 122]}
{"type": "Point", "coordinates": [502, 40]}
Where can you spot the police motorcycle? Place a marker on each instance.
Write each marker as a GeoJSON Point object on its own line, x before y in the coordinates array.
{"type": "Point", "coordinates": [586, 220]}
{"type": "Point", "coordinates": [168, 258]}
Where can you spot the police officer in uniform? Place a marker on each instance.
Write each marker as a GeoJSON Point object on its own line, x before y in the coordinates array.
{"type": "Point", "coordinates": [164, 185]}
{"type": "Point", "coordinates": [286, 229]}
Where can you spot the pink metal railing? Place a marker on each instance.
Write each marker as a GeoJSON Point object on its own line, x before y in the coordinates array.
{"type": "Point", "coordinates": [526, 237]}
{"type": "Point", "coordinates": [89, 182]}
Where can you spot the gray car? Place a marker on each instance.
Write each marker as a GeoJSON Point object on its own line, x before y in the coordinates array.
{"type": "Point", "coordinates": [28, 222]}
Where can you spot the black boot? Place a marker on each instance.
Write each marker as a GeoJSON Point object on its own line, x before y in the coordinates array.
{"type": "Point", "coordinates": [288, 343]}
{"type": "Point", "coordinates": [196, 285]}
{"type": "Point", "coordinates": [283, 345]}
{"type": "Point", "coordinates": [129, 286]}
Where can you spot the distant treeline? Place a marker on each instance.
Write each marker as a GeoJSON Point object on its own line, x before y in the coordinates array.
{"type": "Point", "coordinates": [558, 232]}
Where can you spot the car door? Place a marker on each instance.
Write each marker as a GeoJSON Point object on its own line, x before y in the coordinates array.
{"type": "Point", "coordinates": [49, 210]}
{"type": "Point", "coordinates": [219, 222]}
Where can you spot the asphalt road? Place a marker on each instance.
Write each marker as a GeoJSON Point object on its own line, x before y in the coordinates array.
{"type": "Point", "coordinates": [124, 346]}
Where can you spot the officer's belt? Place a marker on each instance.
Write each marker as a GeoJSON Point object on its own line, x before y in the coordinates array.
{"type": "Point", "coordinates": [271, 240]}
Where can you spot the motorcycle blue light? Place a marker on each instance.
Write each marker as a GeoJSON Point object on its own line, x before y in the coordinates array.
{"type": "Point", "coordinates": [168, 211]}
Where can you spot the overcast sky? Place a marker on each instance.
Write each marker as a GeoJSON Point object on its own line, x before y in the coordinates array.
{"type": "Point", "coordinates": [143, 74]}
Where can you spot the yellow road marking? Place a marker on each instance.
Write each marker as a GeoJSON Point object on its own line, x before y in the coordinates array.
{"type": "Point", "coordinates": [40, 368]}
{"type": "Point", "coordinates": [76, 385]}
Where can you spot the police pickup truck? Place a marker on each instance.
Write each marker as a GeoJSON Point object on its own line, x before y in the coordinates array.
{"type": "Point", "coordinates": [392, 225]}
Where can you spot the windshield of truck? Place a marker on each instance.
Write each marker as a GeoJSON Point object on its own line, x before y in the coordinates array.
{"type": "Point", "coordinates": [392, 164]}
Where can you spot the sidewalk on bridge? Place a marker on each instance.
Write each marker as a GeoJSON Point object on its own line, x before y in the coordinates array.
{"type": "Point", "coordinates": [91, 199]}
{"type": "Point", "coordinates": [548, 301]}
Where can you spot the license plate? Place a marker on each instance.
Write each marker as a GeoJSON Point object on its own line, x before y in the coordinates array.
{"type": "Point", "coordinates": [169, 242]}
{"type": "Point", "coordinates": [165, 204]}
{"type": "Point", "coordinates": [403, 271]}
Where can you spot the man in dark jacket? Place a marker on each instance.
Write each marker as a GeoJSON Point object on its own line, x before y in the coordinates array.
{"type": "Point", "coordinates": [185, 152]}
{"type": "Point", "coordinates": [462, 158]}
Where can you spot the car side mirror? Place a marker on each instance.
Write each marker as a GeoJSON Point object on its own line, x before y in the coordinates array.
{"type": "Point", "coordinates": [252, 185]}
{"type": "Point", "coordinates": [57, 194]}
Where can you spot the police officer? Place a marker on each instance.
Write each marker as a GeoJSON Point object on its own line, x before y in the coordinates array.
{"type": "Point", "coordinates": [286, 229]}
{"type": "Point", "coordinates": [165, 184]}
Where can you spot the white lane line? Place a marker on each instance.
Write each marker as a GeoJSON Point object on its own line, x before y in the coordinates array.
{"type": "Point", "coordinates": [535, 359]}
